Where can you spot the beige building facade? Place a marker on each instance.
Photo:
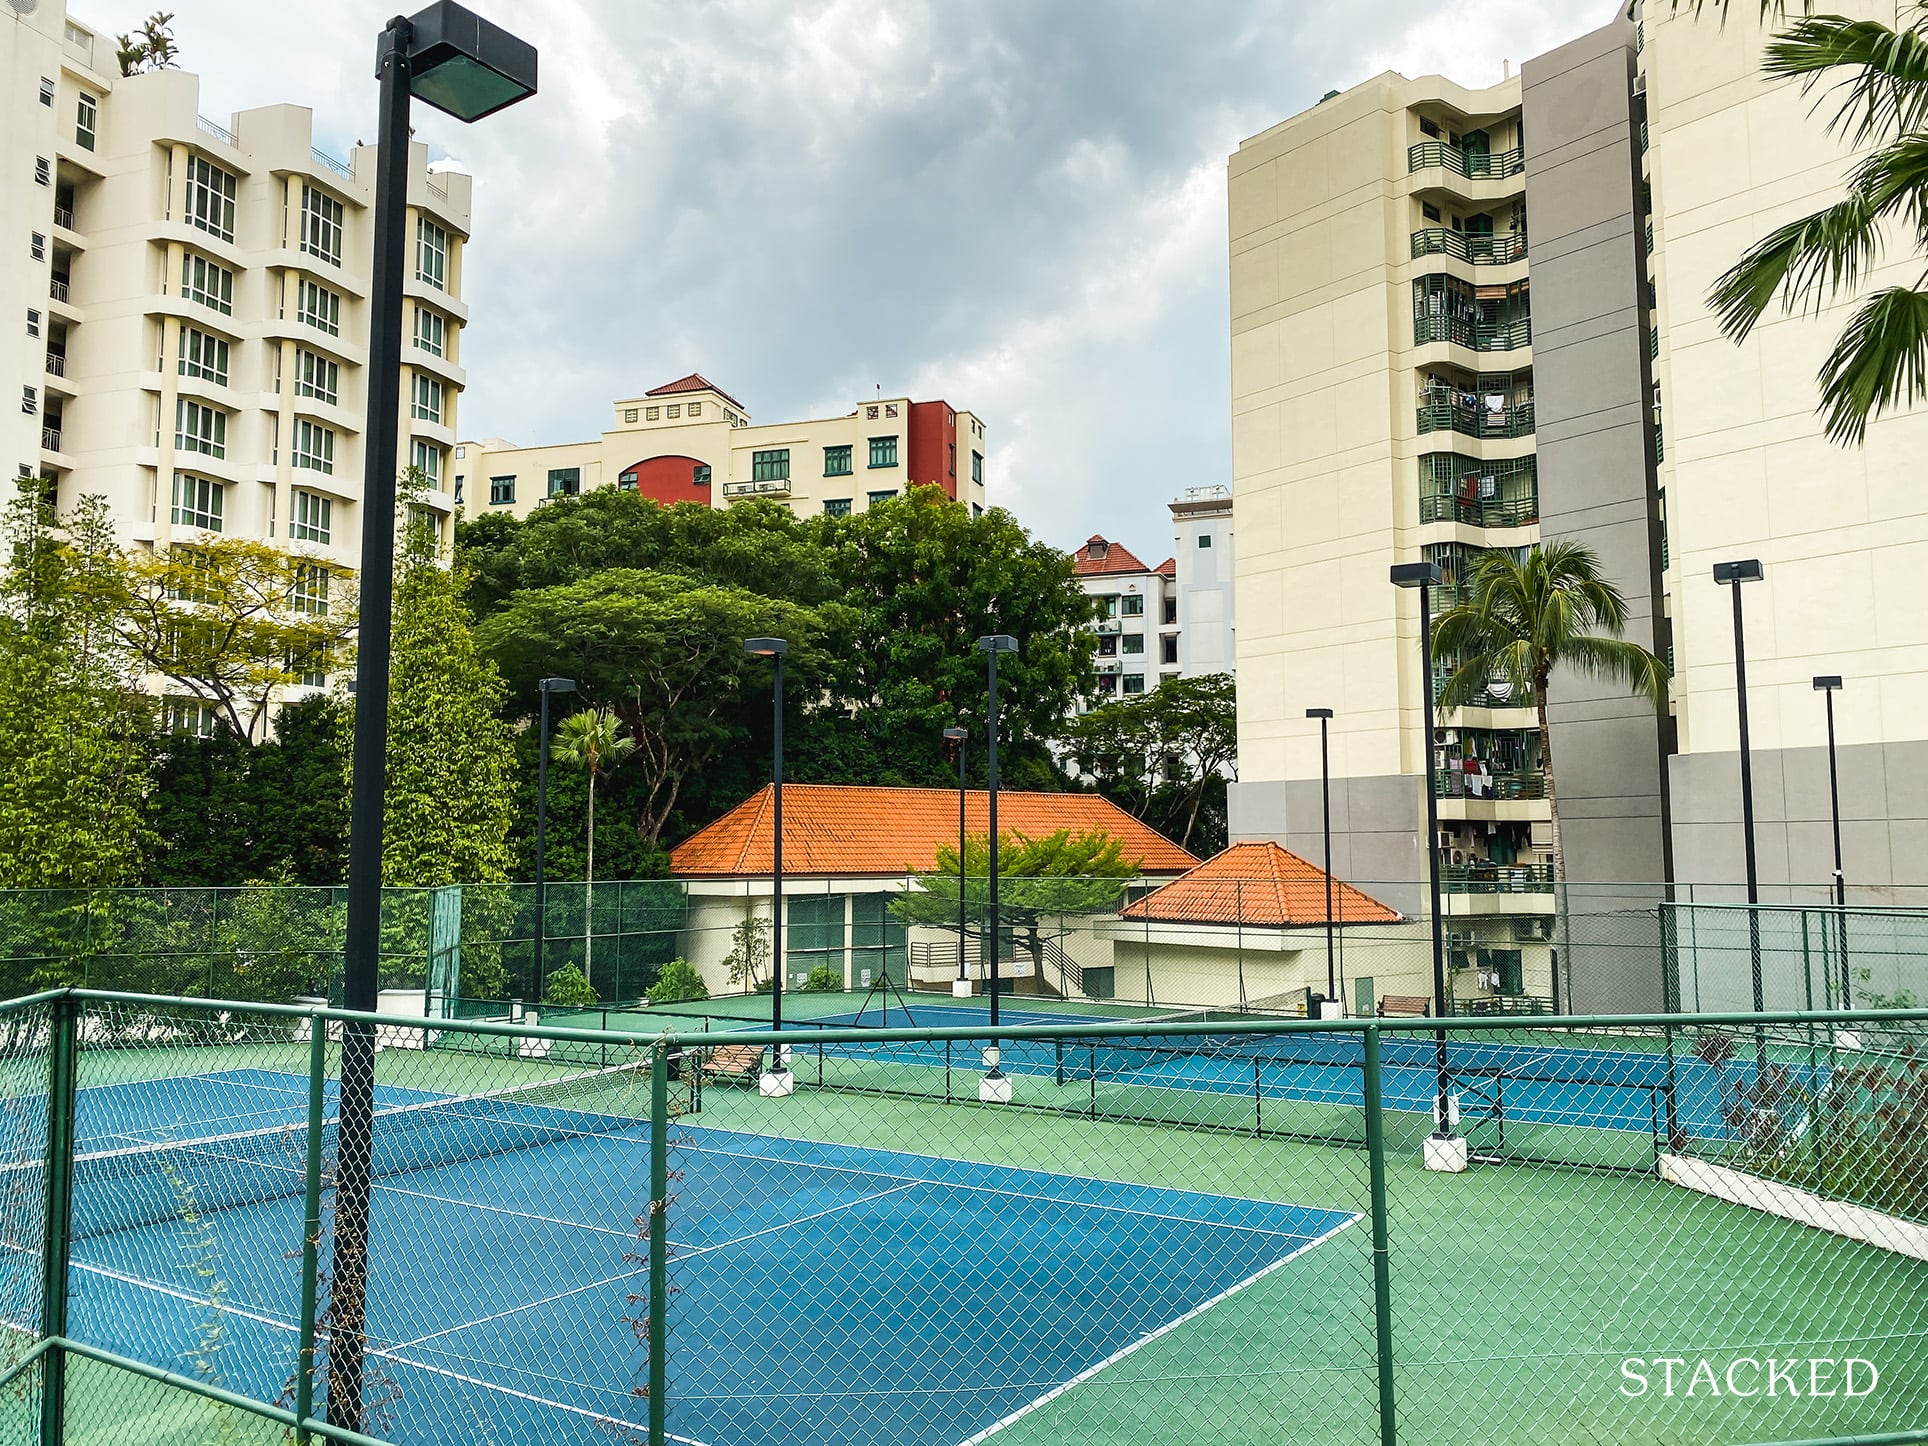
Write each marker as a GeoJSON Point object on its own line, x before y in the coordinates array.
{"type": "Point", "coordinates": [189, 304]}
{"type": "Point", "coordinates": [1414, 379]}
{"type": "Point", "coordinates": [689, 441]}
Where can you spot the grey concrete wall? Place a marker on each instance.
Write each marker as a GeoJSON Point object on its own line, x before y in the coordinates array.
{"type": "Point", "coordinates": [1376, 824]}
{"type": "Point", "coordinates": [1884, 822]}
{"type": "Point", "coordinates": [1594, 431]}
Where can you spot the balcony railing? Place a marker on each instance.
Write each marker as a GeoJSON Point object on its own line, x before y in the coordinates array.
{"type": "Point", "coordinates": [1660, 446]}
{"type": "Point", "coordinates": [219, 132]}
{"type": "Point", "coordinates": [1653, 343]}
{"type": "Point", "coordinates": [1650, 238]}
{"type": "Point", "coordinates": [1489, 695]}
{"type": "Point", "coordinates": [1474, 164]}
{"type": "Point", "coordinates": [775, 487]}
{"type": "Point", "coordinates": [1510, 784]}
{"type": "Point", "coordinates": [57, 289]}
{"type": "Point", "coordinates": [1496, 878]}
{"type": "Point", "coordinates": [50, 439]}
{"type": "Point", "coordinates": [1481, 512]}
{"type": "Point", "coordinates": [64, 216]}
{"type": "Point", "coordinates": [1643, 138]}
{"type": "Point", "coordinates": [1478, 335]}
{"type": "Point", "coordinates": [56, 364]}
{"type": "Point", "coordinates": [1451, 414]}
{"type": "Point", "coordinates": [1479, 250]}
{"type": "Point", "coordinates": [328, 162]}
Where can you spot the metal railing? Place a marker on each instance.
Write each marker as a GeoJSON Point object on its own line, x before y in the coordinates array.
{"type": "Point", "coordinates": [774, 487]}
{"type": "Point", "coordinates": [219, 132]}
{"type": "Point", "coordinates": [1496, 878]}
{"type": "Point", "coordinates": [328, 162]}
{"type": "Point", "coordinates": [1487, 512]}
{"type": "Point", "coordinates": [1480, 165]}
{"type": "Point", "coordinates": [50, 439]}
{"type": "Point", "coordinates": [64, 216]}
{"type": "Point", "coordinates": [1464, 246]}
{"type": "Point", "coordinates": [1446, 413]}
{"type": "Point", "coordinates": [1497, 786]}
{"type": "Point", "coordinates": [1478, 335]}
{"type": "Point", "coordinates": [1660, 445]}
{"type": "Point", "coordinates": [56, 364]}
{"type": "Point", "coordinates": [57, 289]}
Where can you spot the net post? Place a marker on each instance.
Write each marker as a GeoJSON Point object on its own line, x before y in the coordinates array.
{"type": "Point", "coordinates": [57, 1235]}
{"type": "Point", "coordinates": [311, 1226]}
{"type": "Point", "coordinates": [1381, 1244]}
{"type": "Point", "coordinates": [658, 1241]}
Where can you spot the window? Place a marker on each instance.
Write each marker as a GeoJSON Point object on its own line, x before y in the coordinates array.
{"type": "Point", "coordinates": [86, 115]}
{"type": "Point", "coordinates": [1204, 539]}
{"type": "Point", "coordinates": [629, 414]}
{"type": "Point", "coordinates": [565, 481]}
{"type": "Point", "coordinates": [190, 716]}
{"type": "Point", "coordinates": [879, 944]}
{"type": "Point", "coordinates": [1133, 644]}
{"type": "Point", "coordinates": [1108, 606]}
{"type": "Point", "coordinates": [652, 414]}
{"type": "Point", "coordinates": [320, 224]}
{"type": "Point", "coordinates": [431, 253]}
{"type": "Point", "coordinates": [314, 446]}
{"type": "Point", "coordinates": [977, 467]}
{"type": "Point", "coordinates": [1108, 684]}
{"type": "Point", "coordinates": [696, 409]}
{"type": "Point", "coordinates": [1168, 650]}
{"type": "Point", "coordinates": [210, 198]}
{"type": "Point", "coordinates": [30, 400]}
{"type": "Point", "coordinates": [1132, 605]}
{"type": "Point", "coordinates": [628, 481]}
{"type": "Point", "coordinates": [815, 936]}
{"type": "Point", "coordinates": [883, 451]}
{"type": "Point", "coordinates": [771, 466]}
{"type": "Point", "coordinates": [977, 511]}
{"type": "Point", "coordinates": [317, 306]}
{"type": "Point", "coordinates": [204, 356]}
{"type": "Point", "coordinates": [873, 498]}
{"type": "Point", "coordinates": [318, 377]}
{"type": "Point", "coordinates": [1134, 683]}
{"type": "Point", "coordinates": [429, 330]}
{"type": "Point", "coordinates": [308, 590]}
{"type": "Point", "coordinates": [672, 413]}
{"type": "Point", "coordinates": [501, 491]}
{"type": "Point", "coordinates": [197, 502]}
{"type": "Point", "coordinates": [37, 247]}
{"type": "Point", "coordinates": [836, 507]}
{"type": "Point", "coordinates": [313, 518]}
{"type": "Point", "coordinates": [33, 322]}
{"type": "Point", "coordinates": [428, 399]}
{"type": "Point", "coordinates": [43, 170]}
{"type": "Point", "coordinates": [953, 459]}
{"type": "Point", "coordinates": [46, 91]}
{"type": "Point", "coordinates": [700, 475]}
{"type": "Point", "coordinates": [1108, 646]}
{"type": "Point", "coordinates": [200, 428]}
{"type": "Point", "coordinates": [458, 489]}
{"type": "Point", "coordinates": [836, 461]}
{"type": "Point", "coordinates": [425, 457]}
{"type": "Point", "coordinates": [207, 283]}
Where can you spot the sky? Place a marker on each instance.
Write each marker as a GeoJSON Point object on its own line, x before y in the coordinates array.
{"type": "Point", "coordinates": [1015, 205]}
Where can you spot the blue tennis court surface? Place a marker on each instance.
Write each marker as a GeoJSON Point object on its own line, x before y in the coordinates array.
{"type": "Point", "coordinates": [503, 1285]}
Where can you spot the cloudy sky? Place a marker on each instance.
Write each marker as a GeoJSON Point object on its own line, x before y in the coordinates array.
{"type": "Point", "coordinates": [1016, 205]}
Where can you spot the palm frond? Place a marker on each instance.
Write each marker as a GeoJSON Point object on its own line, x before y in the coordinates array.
{"type": "Point", "coordinates": [1887, 93]}
{"type": "Point", "coordinates": [1807, 261]}
{"type": "Point", "coordinates": [1879, 362]}
{"type": "Point", "coordinates": [1776, 8]}
{"type": "Point", "coordinates": [1618, 661]}
{"type": "Point", "coordinates": [1894, 180]}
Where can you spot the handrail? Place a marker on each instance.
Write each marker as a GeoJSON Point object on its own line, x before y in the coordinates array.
{"type": "Point", "coordinates": [1487, 512]}
{"type": "Point", "coordinates": [1465, 246]}
{"type": "Point", "coordinates": [219, 132]}
{"type": "Point", "coordinates": [1480, 165]}
{"type": "Point", "coordinates": [1477, 335]}
{"type": "Point", "coordinates": [1441, 413]}
{"type": "Point", "coordinates": [322, 158]}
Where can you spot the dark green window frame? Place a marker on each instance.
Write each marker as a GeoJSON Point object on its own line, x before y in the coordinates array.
{"type": "Point", "coordinates": [565, 481]}
{"type": "Point", "coordinates": [836, 507]}
{"type": "Point", "coordinates": [836, 461]}
{"type": "Point", "coordinates": [771, 466]}
{"type": "Point", "coordinates": [883, 451]}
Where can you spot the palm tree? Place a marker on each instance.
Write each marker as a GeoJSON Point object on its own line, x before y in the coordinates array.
{"type": "Point", "coordinates": [594, 739]}
{"type": "Point", "coordinates": [1879, 79]}
{"type": "Point", "coordinates": [1525, 616]}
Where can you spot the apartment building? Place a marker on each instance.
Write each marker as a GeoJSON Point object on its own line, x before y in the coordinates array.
{"type": "Point", "coordinates": [1203, 574]}
{"type": "Point", "coordinates": [190, 304]}
{"type": "Point", "coordinates": [1137, 627]}
{"type": "Point", "coordinates": [1412, 378]}
{"type": "Point", "coordinates": [690, 441]}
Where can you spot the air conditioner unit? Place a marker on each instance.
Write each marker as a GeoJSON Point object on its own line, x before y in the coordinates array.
{"type": "Point", "coordinates": [1445, 838]}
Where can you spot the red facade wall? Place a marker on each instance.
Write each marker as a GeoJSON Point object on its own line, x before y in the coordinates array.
{"type": "Point", "coordinates": [933, 446]}
{"type": "Point", "coordinates": [667, 480]}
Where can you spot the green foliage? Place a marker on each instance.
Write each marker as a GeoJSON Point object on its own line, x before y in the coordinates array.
{"type": "Point", "coordinates": [1165, 756]}
{"type": "Point", "coordinates": [150, 48]}
{"type": "Point", "coordinates": [822, 980]}
{"type": "Point", "coordinates": [1060, 874]}
{"type": "Point", "coordinates": [72, 722]}
{"type": "Point", "coordinates": [679, 983]}
{"type": "Point", "coordinates": [748, 961]}
{"type": "Point", "coordinates": [568, 989]}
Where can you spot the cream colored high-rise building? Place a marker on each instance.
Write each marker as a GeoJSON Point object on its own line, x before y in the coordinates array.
{"type": "Point", "coordinates": [1468, 319]}
{"type": "Point", "coordinates": [689, 441]}
{"type": "Point", "coordinates": [189, 302]}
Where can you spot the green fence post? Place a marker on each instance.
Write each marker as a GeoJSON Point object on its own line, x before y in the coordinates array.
{"type": "Point", "coordinates": [57, 1235]}
{"type": "Point", "coordinates": [658, 1241]}
{"type": "Point", "coordinates": [311, 1225]}
{"type": "Point", "coordinates": [1381, 1242]}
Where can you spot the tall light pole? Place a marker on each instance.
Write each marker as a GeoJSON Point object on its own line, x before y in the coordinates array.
{"type": "Point", "coordinates": [1426, 576]}
{"type": "Point", "coordinates": [961, 986]}
{"type": "Point", "coordinates": [778, 1080]}
{"type": "Point", "coordinates": [1324, 715]}
{"type": "Point", "coordinates": [461, 64]}
{"type": "Point", "coordinates": [1828, 686]}
{"type": "Point", "coordinates": [1732, 575]}
{"type": "Point", "coordinates": [548, 687]}
{"type": "Point", "coordinates": [995, 1086]}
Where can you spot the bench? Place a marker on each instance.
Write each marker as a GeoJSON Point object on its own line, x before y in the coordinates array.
{"type": "Point", "coordinates": [733, 1062]}
{"type": "Point", "coordinates": [1404, 1006]}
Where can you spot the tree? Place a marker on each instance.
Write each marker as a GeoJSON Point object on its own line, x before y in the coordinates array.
{"type": "Point", "coordinates": [151, 48]}
{"type": "Point", "coordinates": [1162, 754]}
{"type": "Point", "coordinates": [749, 956]}
{"type": "Point", "coordinates": [1054, 876]}
{"type": "Point", "coordinates": [569, 988]}
{"type": "Point", "coordinates": [451, 784]}
{"type": "Point", "coordinates": [1879, 360]}
{"type": "Point", "coordinates": [1526, 616]}
{"type": "Point", "coordinates": [595, 740]}
{"type": "Point", "coordinates": [236, 623]}
{"type": "Point", "coordinates": [679, 983]}
{"type": "Point", "coordinates": [73, 768]}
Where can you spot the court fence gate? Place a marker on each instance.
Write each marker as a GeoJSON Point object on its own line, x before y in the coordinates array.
{"type": "Point", "coordinates": [1711, 1227]}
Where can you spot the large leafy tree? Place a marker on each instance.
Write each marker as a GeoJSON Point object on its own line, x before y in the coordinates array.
{"type": "Point", "coordinates": [1522, 618]}
{"type": "Point", "coordinates": [1165, 755]}
{"type": "Point", "coordinates": [1877, 78]}
{"type": "Point", "coordinates": [73, 767]}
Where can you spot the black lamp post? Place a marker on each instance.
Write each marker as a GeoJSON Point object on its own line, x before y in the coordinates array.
{"type": "Point", "coordinates": [461, 64]}
{"type": "Point", "coordinates": [778, 1080]}
{"type": "Point", "coordinates": [1733, 574]}
{"type": "Point", "coordinates": [1828, 686]}
{"type": "Point", "coordinates": [957, 737]}
{"type": "Point", "coordinates": [548, 687]}
{"type": "Point", "coordinates": [1324, 715]}
{"type": "Point", "coordinates": [1426, 576]}
{"type": "Point", "coordinates": [993, 644]}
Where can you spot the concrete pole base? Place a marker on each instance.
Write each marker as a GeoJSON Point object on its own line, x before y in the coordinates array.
{"type": "Point", "coordinates": [776, 1083]}
{"type": "Point", "coordinates": [1447, 1154]}
{"type": "Point", "coordinates": [994, 1089]}
{"type": "Point", "coordinates": [962, 989]}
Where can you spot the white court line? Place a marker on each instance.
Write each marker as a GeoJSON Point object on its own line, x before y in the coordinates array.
{"type": "Point", "coordinates": [1146, 1339]}
{"type": "Point", "coordinates": [687, 1252]}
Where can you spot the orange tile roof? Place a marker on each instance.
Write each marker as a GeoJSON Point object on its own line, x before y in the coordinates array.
{"type": "Point", "coordinates": [1167, 568]}
{"type": "Point", "coordinates": [694, 382]}
{"type": "Point", "coordinates": [1259, 884]}
{"type": "Point", "coordinates": [1111, 557]}
{"type": "Point", "coordinates": [838, 829]}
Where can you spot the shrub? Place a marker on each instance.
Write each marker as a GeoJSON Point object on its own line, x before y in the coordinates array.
{"type": "Point", "coordinates": [822, 980]}
{"type": "Point", "coordinates": [569, 990]}
{"type": "Point", "coordinates": [677, 984]}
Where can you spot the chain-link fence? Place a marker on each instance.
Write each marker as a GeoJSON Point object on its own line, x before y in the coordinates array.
{"type": "Point", "coordinates": [265, 1221]}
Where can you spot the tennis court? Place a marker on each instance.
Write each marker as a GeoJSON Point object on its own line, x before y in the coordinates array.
{"type": "Point", "coordinates": [947, 1297]}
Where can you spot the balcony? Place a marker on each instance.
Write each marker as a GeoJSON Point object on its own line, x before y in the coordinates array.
{"type": "Point", "coordinates": [1492, 695]}
{"type": "Point", "coordinates": [1660, 446]}
{"type": "Point", "coordinates": [64, 217]}
{"type": "Point", "coordinates": [56, 364]}
{"type": "Point", "coordinates": [1462, 246]}
{"type": "Point", "coordinates": [328, 162]}
{"type": "Point", "coordinates": [50, 439]}
{"type": "Point", "coordinates": [219, 132]}
{"type": "Point", "coordinates": [1521, 511]}
{"type": "Point", "coordinates": [1482, 165]}
{"type": "Point", "coordinates": [771, 487]}
{"type": "Point", "coordinates": [57, 288]}
{"type": "Point", "coordinates": [1478, 335]}
{"type": "Point", "coordinates": [1508, 785]}
{"type": "Point", "coordinates": [1449, 412]}
{"type": "Point", "coordinates": [1485, 878]}
{"type": "Point", "coordinates": [1109, 625]}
